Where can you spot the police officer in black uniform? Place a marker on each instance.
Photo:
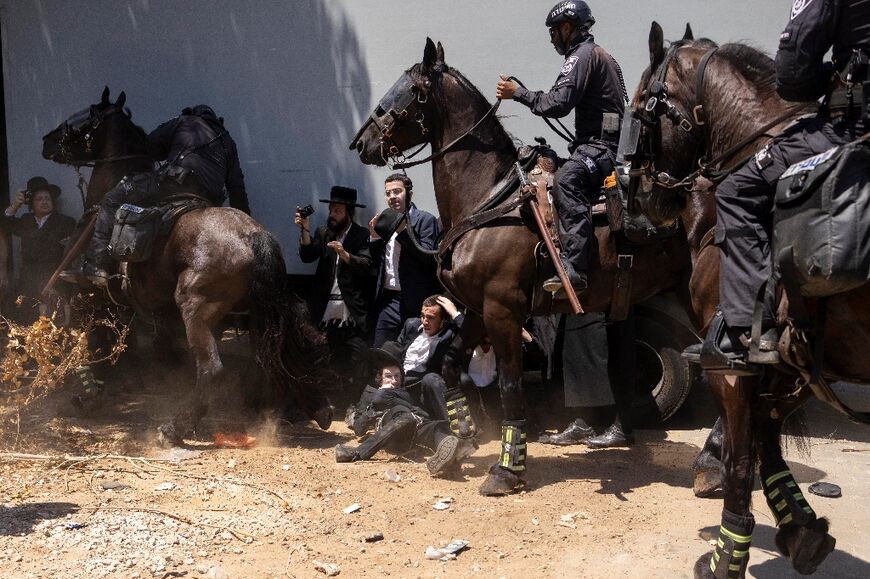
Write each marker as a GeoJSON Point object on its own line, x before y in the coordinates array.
{"type": "Point", "coordinates": [745, 199]}
{"type": "Point", "coordinates": [201, 158]}
{"type": "Point", "coordinates": [590, 83]}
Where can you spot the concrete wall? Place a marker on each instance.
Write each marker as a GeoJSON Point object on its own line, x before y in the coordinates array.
{"type": "Point", "coordinates": [294, 79]}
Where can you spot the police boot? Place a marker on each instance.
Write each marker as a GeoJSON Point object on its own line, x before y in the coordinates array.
{"type": "Point", "coordinates": [577, 279]}
{"type": "Point", "coordinates": [459, 414]}
{"type": "Point", "coordinates": [725, 350]}
{"type": "Point", "coordinates": [575, 433]}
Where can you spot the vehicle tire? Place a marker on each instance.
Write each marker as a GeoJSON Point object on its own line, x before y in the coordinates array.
{"type": "Point", "coordinates": [664, 378]}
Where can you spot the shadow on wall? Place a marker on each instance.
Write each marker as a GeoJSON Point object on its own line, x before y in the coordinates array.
{"type": "Point", "coordinates": [288, 77]}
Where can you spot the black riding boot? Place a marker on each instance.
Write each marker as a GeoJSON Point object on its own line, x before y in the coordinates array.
{"type": "Point", "coordinates": [449, 450]}
{"type": "Point", "coordinates": [726, 350]}
{"type": "Point", "coordinates": [401, 425]}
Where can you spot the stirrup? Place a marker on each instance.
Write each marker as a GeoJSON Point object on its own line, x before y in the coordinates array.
{"type": "Point", "coordinates": [714, 361]}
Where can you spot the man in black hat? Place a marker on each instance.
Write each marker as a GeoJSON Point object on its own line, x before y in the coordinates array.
{"type": "Point", "coordinates": [43, 231]}
{"type": "Point", "coordinates": [401, 418]}
{"type": "Point", "coordinates": [405, 275]}
{"type": "Point", "coordinates": [341, 295]}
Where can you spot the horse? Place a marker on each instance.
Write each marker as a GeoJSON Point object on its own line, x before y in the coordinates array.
{"type": "Point", "coordinates": [704, 110]}
{"type": "Point", "coordinates": [213, 261]}
{"type": "Point", "coordinates": [491, 269]}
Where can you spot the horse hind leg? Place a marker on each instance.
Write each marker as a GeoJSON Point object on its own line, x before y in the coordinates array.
{"type": "Point", "coordinates": [802, 536]}
{"type": "Point", "coordinates": [707, 466]}
{"type": "Point", "coordinates": [199, 318]}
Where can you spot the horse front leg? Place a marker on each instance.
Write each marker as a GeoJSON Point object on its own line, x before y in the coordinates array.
{"type": "Point", "coordinates": [505, 332]}
{"type": "Point", "coordinates": [199, 316]}
{"type": "Point", "coordinates": [802, 536]}
{"type": "Point", "coordinates": [458, 411]}
{"type": "Point", "coordinates": [736, 397]}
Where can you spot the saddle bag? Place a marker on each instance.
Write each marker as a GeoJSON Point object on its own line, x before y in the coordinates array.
{"type": "Point", "coordinates": [135, 230]}
{"type": "Point", "coordinates": [636, 229]}
{"type": "Point", "coordinates": [821, 230]}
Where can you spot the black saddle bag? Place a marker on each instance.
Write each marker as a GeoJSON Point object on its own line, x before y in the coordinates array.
{"type": "Point", "coordinates": [134, 233]}
{"type": "Point", "coordinates": [821, 230]}
{"type": "Point", "coordinates": [636, 229]}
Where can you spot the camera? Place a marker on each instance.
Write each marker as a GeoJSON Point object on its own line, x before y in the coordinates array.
{"type": "Point", "coordinates": [28, 197]}
{"type": "Point", "coordinates": [306, 211]}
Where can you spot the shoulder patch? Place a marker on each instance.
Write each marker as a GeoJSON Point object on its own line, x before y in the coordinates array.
{"type": "Point", "coordinates": [798, 7]}
{"type": "Point", "coordinates": [570, 63]}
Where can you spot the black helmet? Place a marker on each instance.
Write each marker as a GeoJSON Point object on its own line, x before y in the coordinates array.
{"type": "Point", "coordinates": [575, 11]}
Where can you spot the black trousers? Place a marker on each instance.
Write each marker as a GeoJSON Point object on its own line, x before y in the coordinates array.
{"type": "Point", "coordinates": [348, 348]}
{"type": "Point", "coordinates": [577, 183]}
{"type": "Point", "coordinates": [744, 206]}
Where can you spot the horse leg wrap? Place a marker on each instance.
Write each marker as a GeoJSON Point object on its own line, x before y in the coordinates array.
{"type": "Point", "coordinates": [461, 423]}
{"type": "Point", "coordinates": [513, 445]}
{"type": "Point", "coordinates": [784, 497]}
{"type": "Point", "coordinates": [731, 555]}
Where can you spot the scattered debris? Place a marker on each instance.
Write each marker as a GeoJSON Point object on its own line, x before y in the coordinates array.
{"type": "Point", "coordinates": [167, 486]}
{"type": "Point", "coordinates": [233, 440]}
{"type": "Point", "coordinates": [351, 508]}
{"type": "Point", "coordinates": [827, 490]}
{"type": "Point", "coordinates": [113, 485]}
{"type": "Point", "coordinates": [392, 475]}
{"type": "Point", "coordinates": [375, 537]}
{"type": "Point", "coordinates": [443, 504]}
{"type": "Point", "coordinates": [216, 573]}
{"type": "Point", "coordinates": [178, 454]}
{"type": "Point", "coordinates": [329, 569]}
{"type": "Point", "coordinates": [447, 553]}
{"type": "Point", "coordinates": [72, 525]}
{"type": "Point", "coordinates": [285, 467]}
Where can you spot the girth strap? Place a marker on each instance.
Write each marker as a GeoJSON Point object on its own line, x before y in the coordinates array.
{"type": "Point", "coordinates": [478, 220]}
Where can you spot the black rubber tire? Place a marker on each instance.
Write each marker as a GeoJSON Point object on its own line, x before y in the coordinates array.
{"type": "Point", "coordinates": [664, 378]}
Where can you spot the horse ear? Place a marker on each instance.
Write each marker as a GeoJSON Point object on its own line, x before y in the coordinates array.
{"type": "Point", "coordinates": [656, 45]}
{"type": "Point", "coordinates": [122, 98]}
{"type": "Point", "coordinates": [439, 54]}
{"type": "Point", "coordinates": [430, 55]}
{"type": "Point", "coordinates": [104, 100]}
{"type": "Point", "coordinates": [128, 112]}
{"type": "Point", "coordinates": [688, 34]}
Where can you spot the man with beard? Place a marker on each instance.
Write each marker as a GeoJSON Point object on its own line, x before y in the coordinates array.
{"type": "Point", "coordinates": [341, 294]}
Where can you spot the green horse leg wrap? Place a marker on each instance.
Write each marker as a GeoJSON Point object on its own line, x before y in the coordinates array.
{"type": "Point", "coordinates": [461, 423]}
{"type": "Point", "coordinates": [86, 377]}
{"type": "Point", "coordinates": [784, 497]}
{"type": "Point", "coordinates": [513, 445]}
{"type": "Point", "coordinates": [732, 547]}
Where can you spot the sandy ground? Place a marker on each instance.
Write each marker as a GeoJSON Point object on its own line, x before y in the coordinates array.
{"type": "Point", "coordinates": [276, 510]}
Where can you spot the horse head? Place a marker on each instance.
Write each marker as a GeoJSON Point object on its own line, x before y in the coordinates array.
{"type": "Point", "coordinates": [84, 136]}
{"type": "Point", "coordinates": [405, 115]}
{"type": "Point", "coordinates": [662, 136]}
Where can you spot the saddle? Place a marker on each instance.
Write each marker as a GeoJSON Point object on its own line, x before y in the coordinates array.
{"type": "Point", "coordinates": [137, 228]}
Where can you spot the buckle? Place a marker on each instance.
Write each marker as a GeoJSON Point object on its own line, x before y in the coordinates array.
{"type": "Point", "coordinates": [651, 104]}
{"type": "Point", "coordinates": [686, 125]}
{"type": "Point", "coordinates": [625, 261]}
{"type": "Point", "coordinates": [698, 113]}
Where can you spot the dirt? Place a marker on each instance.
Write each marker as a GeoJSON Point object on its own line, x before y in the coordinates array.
{"type": "Point", "coordinates": [277, 509]}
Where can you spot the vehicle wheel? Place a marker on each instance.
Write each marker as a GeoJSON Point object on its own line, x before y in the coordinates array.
{"type": "Point", "coordinates": [663, 377]}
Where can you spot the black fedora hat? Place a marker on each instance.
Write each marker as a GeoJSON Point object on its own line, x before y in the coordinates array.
{"type": "Point", "coordinates": [35, 184]}
{"type": "Point", "coordinates": [344, 195]}
{"type": "Point", "coordinates": [389, 354]}
{"type": "Point", "coordinates": [388, 222]}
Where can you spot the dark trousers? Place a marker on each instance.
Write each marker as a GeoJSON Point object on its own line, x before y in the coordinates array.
{"type": "Point", "coordinates": [389, 321]}
{"type": "Point", "coordinates": [428, 394]}
{"type": "Point", "coordinates": [348, 348]}
{"type": "Point", "coordinates": [744, 205]}
{"type": "Point", "coordinates": [577, 182]}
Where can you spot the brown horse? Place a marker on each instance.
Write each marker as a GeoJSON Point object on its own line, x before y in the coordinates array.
{"type": "Point", "coordinates": [742, 111]}
{"type": "Point", "coordinates": [491, 269]}
{"type": "Point", "coordinates": [214, 260]}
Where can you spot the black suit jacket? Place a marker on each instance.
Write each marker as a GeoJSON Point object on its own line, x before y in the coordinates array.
{"type": "Point", "coordinates": [355, 279]}
{"type": "Point", "coordinates": [414, 327]}
{"type": "Point", "coordinates": [41, 247]}
{"type": "Point", "coordinates": [417, 271]}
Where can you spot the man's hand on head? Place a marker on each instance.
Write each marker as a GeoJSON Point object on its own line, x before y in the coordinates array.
{"type": "Point", "coordinates": [448, 306]}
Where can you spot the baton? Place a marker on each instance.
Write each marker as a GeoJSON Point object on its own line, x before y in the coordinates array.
{"type": "Point", "coordinates": [551, 247]}
{"type": "Point", "coordinates": [71, 253]}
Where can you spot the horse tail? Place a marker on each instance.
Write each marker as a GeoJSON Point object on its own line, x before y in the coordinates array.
{"type": "Point", "coordinates": [287, 346]}
{"type": "Point", "coordinates": [796, 431]}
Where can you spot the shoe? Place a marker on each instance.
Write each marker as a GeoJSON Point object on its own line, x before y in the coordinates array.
{"type": "Point", "coordinates": [578, 281]}
{"type": "Point", "coordinates": [345, 453]}
{"type": "Point", "coordinates": [445, 456]}
{"type": "Point", "coordinates": [575, 433]}
{"type": "Point", "coordinates": [613, 437]}
{"type": "Point", "coordinates": [467, 447]}
{"type": "Point", "coordinates": [726, 350]}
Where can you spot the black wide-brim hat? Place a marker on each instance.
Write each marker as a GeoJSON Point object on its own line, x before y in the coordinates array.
{"type": "Point", "coordinates": [343, 195]}
{"type": "Point", "coordinates": [388, 222]}
{"type": "Point", "coordinates": [35, 184]}
{"type": "Point", "coordinates": [389, 354]}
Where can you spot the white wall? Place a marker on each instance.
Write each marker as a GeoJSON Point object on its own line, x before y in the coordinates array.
{"type": "Point", "coordinates": [294, 79]}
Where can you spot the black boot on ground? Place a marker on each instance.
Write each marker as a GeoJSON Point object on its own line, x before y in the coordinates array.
{"type": "Point", "coordinates": [614, 437]}
{"type": "Point", "coordinates": [345, 453]}
{"type": "Point", "coordinates": [445, 457]}
{"type": "Point", "coordinates": [575, 433]}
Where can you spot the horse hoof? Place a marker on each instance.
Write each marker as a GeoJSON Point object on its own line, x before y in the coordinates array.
{"type": "Point", "coordinates": [702, 566]}
{"type": "Point", "coordinates": [806, 546]}
{"type": "Point", "coordinates": [501, 482]}
{"type": "Point", "coordinates": [707, 483]}
{"type": "Point", "coordinates": [323, 416]}
{"type": "Point", "coordinates": [87, 404]}
{"type": "Point", "coordinates": [168, 437]}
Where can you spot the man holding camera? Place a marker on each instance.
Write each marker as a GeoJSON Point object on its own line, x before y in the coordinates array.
{"type": "Point", "coordinates": [341, 295]}
{"type": "Point", "coordinates": [43, 233]}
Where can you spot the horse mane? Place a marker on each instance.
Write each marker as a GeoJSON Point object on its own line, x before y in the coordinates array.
{"type": "Point", "coordinates": [469, 86]}
{"type": "Point", "coordinates": [752, 64]}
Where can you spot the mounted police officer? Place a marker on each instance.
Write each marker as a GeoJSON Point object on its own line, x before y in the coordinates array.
{"type": "Point", "coordinates": [745, 199]}
{"type": "Point", "coordinates": [590, 83]}
{"type": "Point", "coordinates": [201, 159]}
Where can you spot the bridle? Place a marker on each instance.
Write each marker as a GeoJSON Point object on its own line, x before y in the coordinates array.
{"type": "Point", "coordinates": [85, 124]}
{"type": "Point", "coordinates": [393, 109]}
